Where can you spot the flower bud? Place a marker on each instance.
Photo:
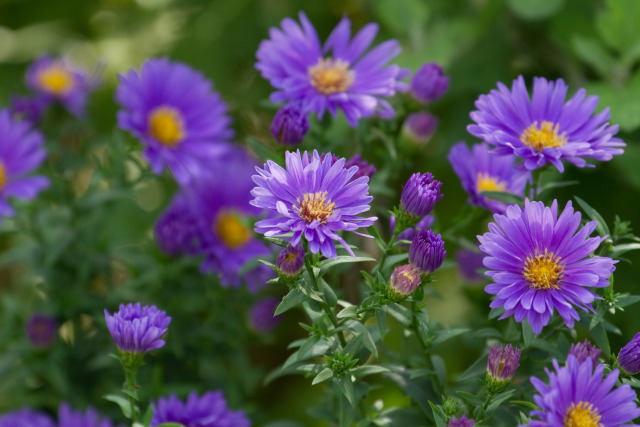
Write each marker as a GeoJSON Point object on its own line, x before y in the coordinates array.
{"type": "Point", "coordinates": [450, 406]}
{"type": "Point", "coordinates": [501, 366]}
{"type": "Point", "coordinates": [427, 251]}
{"type": "Point", "coordinates": [629, 356]}
{"type": "Point", "coordinates": [41, 331]}
{"type": "Point", "coordinates": [289, 125]}
{"type": "Point", "coordinates": [261, 315]}
{"type": "Point", "coordinates": [404, 280]}
{"type": "Point", "coordinates": [585, 350]}
{"type": "Point", "coordinates": [289, 262]}
{"type": "Point", "coordinates": [419, 127]}
{"type": "Point", "coordinates": [420, 194]}
{"type": "Point", "coordinates": [428, 83]}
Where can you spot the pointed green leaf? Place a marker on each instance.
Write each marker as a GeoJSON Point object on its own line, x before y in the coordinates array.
{"type": "Point", "coordinates": [292, 299]}
{"type": "Point", "coordinates": [122, 402]}
{"type": "Point", "coordinates": [601, 228]}
{"type": "Point", "coordinates": [324, 375]}
{"type": "Point", "coordinates": [327, 264]}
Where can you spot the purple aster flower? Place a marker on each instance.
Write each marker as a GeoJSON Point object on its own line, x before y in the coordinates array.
{"type": "Point", "coordinates": [420, 194]}
{"type": "Point", "coordinates": [501, 366]}
{"type": "Point", "coordinates": [222, 212]}
{"type": "Point", "coordinates": [290, 124]}
{"type": "Point", "coordinates": [364, 168]}
{"type": "Point", "coordinates": [409, 233]}
{"type": "Point", "coordinates": [29, 108]}
{"type": "Point", "coordinates": [579, 395]}
{"type": "Point", "coordinates": [56, 79]}
{"type": "Point", "coordinates": [261, 315]}
{"type": "Point", "coordinates": [480, 170]}
{"type": "Point", "coordinates": [337, 75]}
{"type": "Point", "coordinates": [314, 198]}
{"type": "Point", "coordinates": [208, 410]}
{"type": "Point", "coordinates": [41, 330]}
{"type": "Point", "coordinates": [541, 262]}
{"type": "Point", "coordinates": [404, 280]}
{"type": "Point", "coordinates": [585, 350]}
{"type": "Point", "coordinates": [290, 261]}
{"type": "Point", "coordinates": [419, 127]}
{"type": "Point", "coordinates": [26, 417]}
{"type": "Point", "coordinates": [21, 152]}
{"type": "Point", "coordinates": [428, 83]}
{"type": "Point", "coordinates": [545, 129]}
{"type": "Point", "coordinates": [463, 421]}
{"type": "Point", "coordinates": [136, 328]}
{"type": "Point", "coordinates": [469, 262]}
{"type": "Point", "coordinates": [427, 251]}
{"type": "Point", "coordinates": [629, 356]}
{"type": "Point", "coordinates": [67, 417]}
{"type": "Point", "coordinates": [174, 112]}
{"type": "Point", "coordinates": [176, 231]}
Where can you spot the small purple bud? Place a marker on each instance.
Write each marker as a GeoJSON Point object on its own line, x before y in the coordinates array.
{"type": "Point", "coordinates": [419, 127]}
{"type": "Point", "coordinates": [261, 316]}
{"type": "Point", "coordinates": [585, 350]}
{"type": "Point", "coordinates": [469, 262]}
{"type": "Point", "coordinates": [289, 125]}
{"type": "Point", "coordinates": [41, 331]}
{"type": "Point", "coordinates": [136, 328]}
{"type": "Point", "coordinates": [629, 356]}
{"type": "Point", "coordinates": [29, 108]}
{"type": "Point", "coordinates": [428, 83]}
{"type": "Point", "coordinates": [427, 251]}
{"type": "Point", "coordinates": [290, 260]}
{"type": "Point", "coordinates": [502, 365]}
{"type": "Point", "coordinates": [176, 231]}
{"type": "Point", "coordinates": [404, 280]}
{"type": "Point", "coordinates": [461, 422]}
{"type": "Point", "coordinates": [420, 194]}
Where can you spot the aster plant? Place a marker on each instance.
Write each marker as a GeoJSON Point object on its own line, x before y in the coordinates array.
{"type": "Point", "coordinates": [541, 262]}
{"type": "Point", "coordinates": [340, 74]}
{"type": "Point", "coordinates": [543, 128]}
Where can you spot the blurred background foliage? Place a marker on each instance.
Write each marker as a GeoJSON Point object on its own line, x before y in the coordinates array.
{"type": "Point", "coordinates": [92, 245]}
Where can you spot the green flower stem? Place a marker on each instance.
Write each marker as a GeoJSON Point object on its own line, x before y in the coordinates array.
{"type": "Point", "coordinates": [390, 245]}
{"type": "Point", "coordinates": [323, 304]}
{"type": "Point", "coordinates": [487, 402]}
{"type": "Point", "coordinates": [131, 362]}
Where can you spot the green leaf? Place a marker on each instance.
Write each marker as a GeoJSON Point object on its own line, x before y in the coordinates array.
{"type": "Point", "coordinates": [470, 398]}
{"type": "Point", "coordinates": [327, 264]}
{"type": "Point", "coordinates": [122, 402]}
{"type": "Point", "coordinates": [504, 197]}
{"type": "Point", "coordinates": [625, 111]}
{"type": "Point", "coordinates": [421, 372]}
{"type": "Point", "coordinates": [447, 334]}
{"type": "Point", "coordinates": [625, 300]}
{"type": "Point", "coordinates": [262, 150]}
{"type": "Point", "coordinates": [623, 248]}
{"type": "Point", "coordinates": [329, 294]}
{"type": "Point", "coordinates": [527, 333]}
{"type": "Point", "coordinates": [348, 312]}
{"type": "Point", "coordinates": [593, 53]}
{"type": "Point", "coordinates": [308, 345]}
{"type": "Point", "coordinates": [497, 401]}
{"type": "Point", "coordinates": [381, 320]}
{"type": "Point", "coordinates": [496, 312]}
{"type": "Point", "coordinates": [439, 416]}
{"type": "Point", "coordinates": [478, 367]}
{"type": "Point", "coordinates": [525, 403]}
{"type": "Point", "coordinates": [400, 313]}
{"type": "Point", "coordinates": [292, 299]}
{"type": "Point", "coordinates": [535, 9]}
{"type": "Point", "coordinates": [601, 228]}
{"type": "Point", "coordinates": [362, 371]}
{"type": "Point", "coordinates": [618, 25]}
{"type": "Point", "coordinates": [367, 339]}
{"type": "Point", "coordinates": [324, 375]}
{"type": "Point", "coordinates": [347, 389]}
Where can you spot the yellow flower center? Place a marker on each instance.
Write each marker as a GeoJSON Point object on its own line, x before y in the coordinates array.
{"type": "Point", "coordinates": [485, 182]}
{"type": "Point", "coordinates": [55, 79]}
{"type": "Point", "coordinates": [316, 207]}
{"type": "Point", "coordinates": [291, 257]}
{"type": "Point", "coordinates": [582, 415]}
{"type": "Point", "coordinates": [545, 136]}
{"type": "Point", "coordinates": [543, 271]}
{"type": "Point", "coordinates": [3, 177]}
{"type": "Point", "coordinates": [231, 230]}
{"type": "Point", "coordinates": [329, 76]}
{"type": "Point", "coordinates": [166, 125]}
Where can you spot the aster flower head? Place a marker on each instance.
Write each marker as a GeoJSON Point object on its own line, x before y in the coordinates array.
{"type": "Point", "coordinates": [26, 417]}
{"type": "Point", "coordinates": [173, 110]}
{"type": "Point", "coordinates": [290, 124]}
{"type": "Point", "coordinates": [57, 79]}
{"type": "Point", "coordinates": [338, 75]}
{"type": "Point", "coordinates": [290, 261]}
{"type": "Point", "coordinates": [427, 251]}
{"type": "Point", "coordinates": [419, 127]}
{"type": "Point", "coordinates": [479, 170]}
{"type": "Point", "coordinates": [629, 356]}
{"type": "Point", "coordinates": [261, 315]}
{"type": "Point", "coordinates": [544, 128]}
{"type": "Point", "coordinates": [21, 151]}
{"type": "Point", "coordinates": [314, 198]}
{"type": "Point", "coordinates": [67, 417]}
{"type": "Point", "coordinates": [219, 202]}
{"type": "Point", "coordinates": [136, 328]}
{"type": "Point", "coordinates": [585, 350]}
{"type": "Point", "coordinates": [208, 410]}
{"type": "Point", "coordinates": [420, 194]}
{"type": "Point", "coordinates": [176, 231]}
{"type": "Point", "coordinates": [404, 280]}
{"type": "Point", "coordinates": [463, 421]}
{"type": "Point", "coordinates": [41, 330]}
{"type": "Point", "coordinates": [428, 83]}
{"type": "Point", "coordinates": [579, 395]}
{"type": "Point", "coordinates": [540, 262]}
{"type": "Point", "coordinates": [501, 366]}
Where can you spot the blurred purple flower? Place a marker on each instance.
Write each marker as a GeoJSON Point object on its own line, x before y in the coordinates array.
{"type": "Point", "coordinates": [429, 83]}
{"type": "Point", "coordinates": [469, 262]}
{"type": "Point", "coordinates": [26, 417]}
{"type": "Point", "coordinates": [29, 108]}
{"type": "Point", "coordinates": [136, 328]}
{"type": "Point", "coordinates": [463, 421]}
{"type": "Point", "coordinates": [290, 124]}
{"type": "Point", "coordinates": [67, 417]}
{"type": "Point", "coordinates": [585, 350]}
{"type": "Point", "coordinates": [261, 315]}
{"type": "Point", "coordinates": [41, 330]}
{"type": "Point", "coordinates": [208, 410]}
{"type": "Point", "coordinates": [176, 231]}
{"type": "Point", "coordinates": [629, 356]}
{"type": "Point", "coordinates": [336, 75]}
{"type": "Point", "coordinates": [419, 127]}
